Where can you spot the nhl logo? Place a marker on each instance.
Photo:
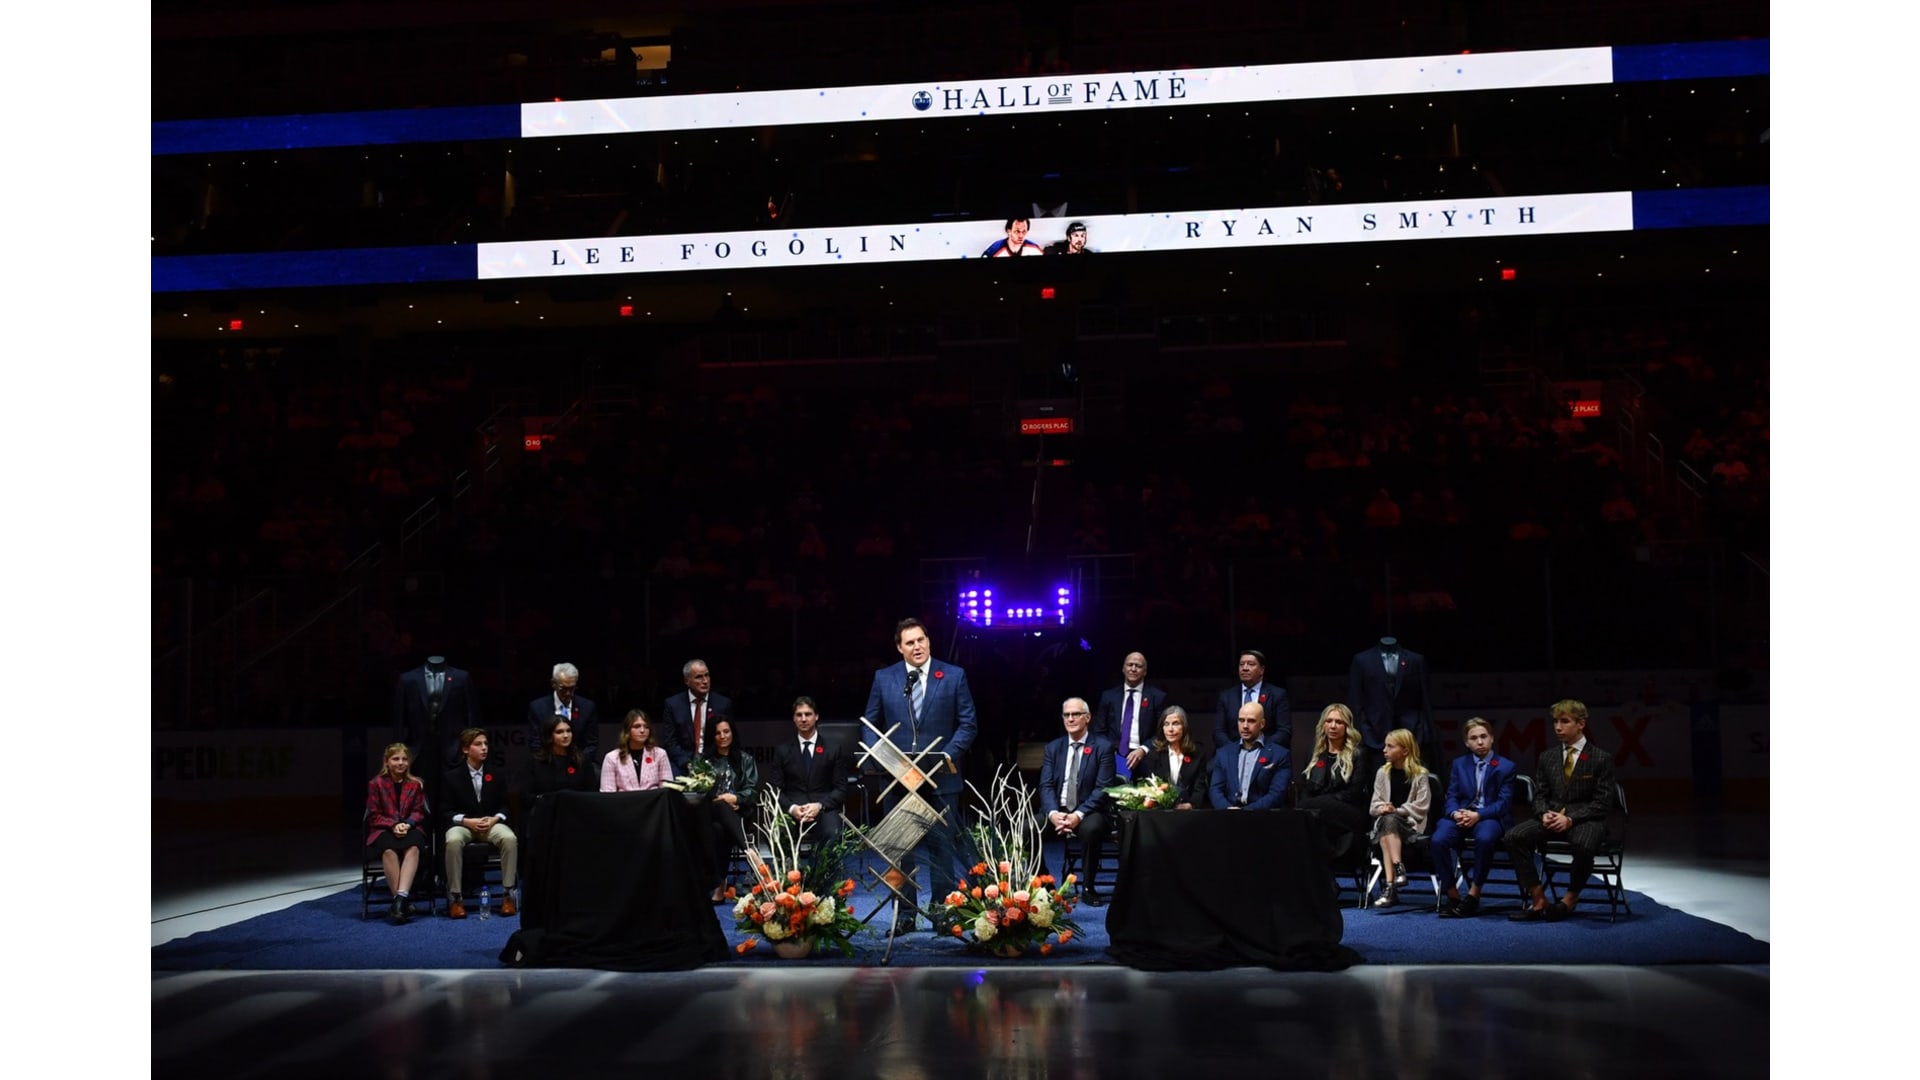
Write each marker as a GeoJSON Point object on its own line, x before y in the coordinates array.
{"type": "Point", "coordinates": [922, 101]}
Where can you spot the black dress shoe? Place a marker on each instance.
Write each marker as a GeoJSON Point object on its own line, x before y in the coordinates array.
{"type": "Point", "coordinates": [1093, 899]}
{"type": "Point", "coordinates": [1467, 908]}
{"type": "Point", "coordinates": [1527, 914]}
{"type": "Point", "coordinates": [1449, 908]}
{"type": "Point", "coordinates": [1557, 912]}
{"type": "Point", "coordinates": [397, 912]}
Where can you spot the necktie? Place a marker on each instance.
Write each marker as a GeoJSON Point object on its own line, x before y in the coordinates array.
{"type": "Point", "coordinates": [476, 787]}
{"type": "Point", "coordinates": [1479, 782]}
{"type": "Point", "coordinates": [919, 693]}
{"type": "Point", "coordinates": [1567, 769]}
{"type": "Point", "coordinates": [699, 722]}
{"type": "Point", "coordinates": [806, 750]}
{"type": "Point", "coordinates": [1126, 718]}
{"type": "Point", "coordinates": [1070, 791]}
{"type": "Point", "coordinates": [1246, 695]}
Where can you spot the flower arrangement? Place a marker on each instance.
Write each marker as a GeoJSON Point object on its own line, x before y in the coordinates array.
{"type": "Point", "coordinates": [699, 779]}
{"type": "Point", "coordinates": [1146, 793]}
{"type": "Point", "coordinates": [1004, 905]}
{"type": "Point", "coordinates": [793, 905]}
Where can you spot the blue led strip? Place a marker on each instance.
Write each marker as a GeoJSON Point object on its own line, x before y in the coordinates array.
{"type": "Point", "coordinates": [1699, 60]}
{"type": "Point", "coordinates": [337, 129]}
{"type": "Point", "coordinates": [296, 269]}
{"type": "Point", "coordinates": [1689, 208]}
{"type": "Point", "coordinates": [1041, 95]}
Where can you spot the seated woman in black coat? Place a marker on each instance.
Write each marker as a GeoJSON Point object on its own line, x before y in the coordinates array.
{"type": "Point", "coordinates": [736, 787]}
{"type": "Point", "coordinates": [556, 765]}
{"type": "Point", "coordinates": [1332, 784]}
{"type": "Point", "coordinates": [1174, 760]}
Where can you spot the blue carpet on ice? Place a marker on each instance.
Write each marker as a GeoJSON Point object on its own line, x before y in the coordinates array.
{"type": "Point", "coordinates": [328, 934]}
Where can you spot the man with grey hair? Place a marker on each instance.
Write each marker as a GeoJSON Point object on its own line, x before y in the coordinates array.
{"type": "Point", "coordinates": [1075, 773]}
{"type": "Point", "coordinates": [578, 710]}
{"type": "Point", "coordinates": [687, 717]}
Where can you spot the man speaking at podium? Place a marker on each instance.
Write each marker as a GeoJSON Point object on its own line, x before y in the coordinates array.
{"type": "Point", "coordinates": [928, 704]}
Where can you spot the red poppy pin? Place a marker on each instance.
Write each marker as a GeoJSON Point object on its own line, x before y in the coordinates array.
{"type": "Point", "coordinates": [569, 770]}
{"type": "Point", "coordinates": [649, 759]}
{"type": "Point", "coordinates": [939, 674]}
{"type": "Point", "coordinates": [1493, 761]}
{"type": "Point", "coordinates": [1263, 761]}
{"type": "Point", "coordinates": [1086, 750]}
{"type": "Point", "coordinates": [1185, 760]}
{"type": "Point", "coordinates": [1583, 756]}
{"type": "Point", "coordinates": [1263, 699]}
{"type": "Point", "coordinates": [488, 777]}
{"type": "Point", "coordinates": [818, 750]}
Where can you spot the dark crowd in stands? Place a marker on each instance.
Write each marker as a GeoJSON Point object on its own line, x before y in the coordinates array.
{"type": "Point", "coordinates": [776, 528]}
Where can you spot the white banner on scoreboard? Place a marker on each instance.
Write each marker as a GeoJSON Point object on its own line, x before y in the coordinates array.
{"type": "Point", "coordinates": [1287, 226]}
{"type": "Point", "coordinates": [1071, 93]}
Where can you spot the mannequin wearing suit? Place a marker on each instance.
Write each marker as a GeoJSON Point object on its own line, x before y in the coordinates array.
{"type": "Point", "coordinates": [1250, 773]}
{"type": "Point", "coordinates": [1387, 688]}
{"type": "Point", "coordinates": [562, 701]}
{"type": "Point", "coordinates": [1572, 798]}
{"type": "Point", "coordinates": [434, 698]}
{"type": "Point", "coordinates": [1254, 688]}
{"type": "Point", "coordinates": [813, 774]}
{"type": "Point", "coordinates": [926, 702]}
{"type": "Point", "coordinates": [1128, 714]}
{"type": "Point", "coordinates": [685, 715]}
{"type": "Point", "coordinates": [1075, 773]}
{"type": "Point", "coordinates": [1175, 760]}
{"type": "Point", "coordinates": [476, 806]}
{"type": "Point", "coordinates": [1478, 799]}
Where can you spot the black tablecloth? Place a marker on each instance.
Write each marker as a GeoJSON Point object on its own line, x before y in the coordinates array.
{"type": "Point", "coordinates": [618, 881]}
{"type": "Point", "coordinates": [1207, 889]}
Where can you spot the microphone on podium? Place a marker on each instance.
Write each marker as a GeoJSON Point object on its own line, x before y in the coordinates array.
{"type": "Point", "coordinates": [913, 677]}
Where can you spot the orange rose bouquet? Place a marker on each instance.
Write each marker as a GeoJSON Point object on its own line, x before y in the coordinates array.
{"type": "Point", "coordinates": [794, 904]}
{"type": "Point", "coordinates": [1004, 905]}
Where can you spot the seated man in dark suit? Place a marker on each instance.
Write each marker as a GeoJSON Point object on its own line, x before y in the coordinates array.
{"type": "Point", "coordinates": [578, 710]}
{"type": "Point", "coordinates": [1252, 773]}
{"type": "Point", "coordinates": [1075, 773]}
{"type": "Point", "coordinates": [476, 800]}
{"type": "Point", "coordinates": [685, 716]}
{"type": "Point", "coordinates": [1254, 689]}
{"type": "Point", "coordinates": [814, 775]}
{"type": "Point", "coordinates": [1572, 796]}
{"type": "Point", "coordinates": [1128, 716]}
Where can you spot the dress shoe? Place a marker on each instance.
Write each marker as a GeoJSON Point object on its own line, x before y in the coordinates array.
{"type": "Point", "coordinates": [455, 909]}
{"type": "Point", "coordinates": [1557, 912]}
{"type": "Point", "coordinates": [397, 913]}
{"type": "Point", "coordinates": [1467, 908]}
{"type": "Point", "coordinates": [1388, 897]}
{"type": "Point", "coordinates": [1092, 898]}
{"type": "Point", "coordinates": [1528, 914]}
{"type": "Point", "coordinates": [507, 908]}
{"type": "Point", "coordinates": [1449, 908]}
{"type": "Point", "coordinates": [1400, 874]}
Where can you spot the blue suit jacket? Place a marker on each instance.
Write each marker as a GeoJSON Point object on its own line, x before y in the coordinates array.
{"type": "Point", "coordinates": [1268, 789]}
{"type": "Point", "coordinates": [946, 714]}
{"type": "Point", "coordinates": [1273, 698]}
{"type": "Point", "coordinates": [1096, 775]}
{"type": "Point", "coordinates": [1499, 789]}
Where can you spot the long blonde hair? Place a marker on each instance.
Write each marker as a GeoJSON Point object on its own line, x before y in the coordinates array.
{"type": "Point", "coordinates": [1404, 739]}
{"type": "Point", "coordinates": [391, 749]}
{"type": "Point", "coordinates": [1343, 761]}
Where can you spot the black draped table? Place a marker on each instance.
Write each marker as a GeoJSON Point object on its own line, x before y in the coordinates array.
{"type": "Point", "coordinates": [1207, 889]}
{"type": "Point", "coordinates": [618, 881]}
